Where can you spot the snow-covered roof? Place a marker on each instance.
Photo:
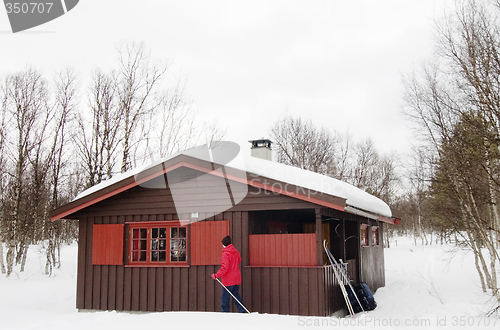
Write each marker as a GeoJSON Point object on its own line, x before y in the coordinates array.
{"type": "Point", "coordinates": [230, 155]}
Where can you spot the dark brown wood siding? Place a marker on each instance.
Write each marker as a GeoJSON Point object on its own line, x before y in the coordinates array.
{"type": "Point", "coordinates": [372, 261]}
{"type": "Point", "coordinates": [293, 290]}
{"type": "Point", "coordinates": [284, 290]}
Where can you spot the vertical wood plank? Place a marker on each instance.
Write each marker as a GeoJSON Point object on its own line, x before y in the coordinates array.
{"type": "Point", "coordinates": [210, 291]}
{"type": "Point", "coordinates": [167, 298]}
{"type": "Point", "coordinates": [112, 280]}
{"type": "Point", "coordinates": [120, 270]}
{"type": "Point", "coordinates": [284, 291]}
{"type": "Point", "coordinates": [143, 289]}
{"type": "Point", "coordinates": [246, 288]}
{"type": "Point", "coordinates": [266, 290]}
{"type": "Point", "coordinates": [185, 289]}
{"type": "Point", "coordinates": [104, 287]}
{"type": "Point", "coordinates": [176, 289]}
{"type": "Point", "coordinates": [194, 288]}
{"type": "Point", "coordinates": [160, 291]}
{"type": "Point", "coordinates": [321, 292]}
{"type": "Point", "coordinates": [127, 289]}
{"type": "Point", "coordinates": [81, 278]}
{"type": "Point", "coordinates": [96, 287]}
{"type": "Point", "coordinates": [135, 289]}
{"type": "Point", "coordinates": [151, 285]}
{"type": "Point", "coordinates": [257, 289]}
{"type": "Point", "coordinates": [313, 291]}
{"type": "Point", "coordinates": [319, 238]}
{"type": "Point", "coordinates": [294, 291]}
{"type": "Point", "coordinates": [200, 290]}
{"type": "Point", "coordinates": [303, 292]}
{"type": "Point", "coordinates": [89, 272]}
{"type": "Point", "coordinates": [244, 239]}
{"type": "Point", "coordinates": [275, 290]}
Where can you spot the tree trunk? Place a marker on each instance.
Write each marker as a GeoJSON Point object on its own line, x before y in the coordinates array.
{"type": "Point", "coordinates": [2, 265]}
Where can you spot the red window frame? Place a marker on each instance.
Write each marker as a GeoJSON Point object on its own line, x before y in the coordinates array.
{"type": "Point", "coordinates": [363, 235]}
{"type": "Point", "coordinates": [375, 240]}
{"type": "Point", "coordinates": [158, 243]}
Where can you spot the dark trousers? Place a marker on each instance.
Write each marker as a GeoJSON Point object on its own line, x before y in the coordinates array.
{"type": "Point", "coordinates": [226, 297]}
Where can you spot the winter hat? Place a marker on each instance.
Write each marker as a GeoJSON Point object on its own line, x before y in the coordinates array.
{"type": "Point", "coordinates": [226, 240]}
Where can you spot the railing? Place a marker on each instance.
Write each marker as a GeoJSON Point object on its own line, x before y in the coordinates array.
{"type": "Point", "coordinates": [283, 250]}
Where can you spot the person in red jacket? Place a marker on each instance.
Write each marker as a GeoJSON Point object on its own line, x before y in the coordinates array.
{"type": "Point", "coordinates": [230, 274]}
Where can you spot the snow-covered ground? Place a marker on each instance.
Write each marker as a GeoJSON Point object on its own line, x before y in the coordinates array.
{"type": "Point", "coordinates": [428, 287]}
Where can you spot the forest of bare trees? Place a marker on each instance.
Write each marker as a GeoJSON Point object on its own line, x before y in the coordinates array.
{"type": "Point", "coordinates": [59, 136]}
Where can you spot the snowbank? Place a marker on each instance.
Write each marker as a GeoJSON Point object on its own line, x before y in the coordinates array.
{"type": "Point", "coordinates": [427, 287]}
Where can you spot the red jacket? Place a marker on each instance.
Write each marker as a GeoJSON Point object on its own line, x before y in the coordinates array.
{"type": "Point", "coordinates": [230, 266]}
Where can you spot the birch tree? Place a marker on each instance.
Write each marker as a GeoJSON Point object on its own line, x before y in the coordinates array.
{"type": "Point", "coordinates": [455, 101]}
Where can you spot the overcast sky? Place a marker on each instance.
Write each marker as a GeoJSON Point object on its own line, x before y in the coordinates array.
{"type": "Point", "coordinates": [338, 63]}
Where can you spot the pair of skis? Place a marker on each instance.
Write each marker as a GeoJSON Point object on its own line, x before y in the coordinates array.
{"type": "Point", "coordinates": [343, 279]}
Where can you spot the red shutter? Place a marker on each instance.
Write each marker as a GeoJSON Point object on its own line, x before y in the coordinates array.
{"type": "Point", "coordinates": [206, 246]}
{"type": "Point", "coordinates": [107, 244]}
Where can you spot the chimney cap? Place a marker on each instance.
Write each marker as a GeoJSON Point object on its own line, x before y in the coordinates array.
{"type": "Point", "coordinates": [261, 143]}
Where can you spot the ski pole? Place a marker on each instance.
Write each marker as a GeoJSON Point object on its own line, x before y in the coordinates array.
{"type": "Point", "coordinates": [232, 295]}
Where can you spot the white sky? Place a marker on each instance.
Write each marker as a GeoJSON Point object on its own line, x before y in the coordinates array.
{"type": "Point", "coordinates": [336, 62]}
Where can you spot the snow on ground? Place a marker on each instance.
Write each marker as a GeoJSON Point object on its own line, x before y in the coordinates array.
{"type": "Point", "coordinates": [426, 286]}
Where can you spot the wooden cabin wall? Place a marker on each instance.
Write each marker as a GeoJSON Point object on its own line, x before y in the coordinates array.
{"type": "Point", "coordinates": [308, 291]}
{"type": "Point", "coordinates": [372, 261]}
{"type": "Point", "coordinates": [104, 287]}
{"type": "Point", "coordinates": [289, 289]}
{"type": "Point", "coordinates": [283, 290]}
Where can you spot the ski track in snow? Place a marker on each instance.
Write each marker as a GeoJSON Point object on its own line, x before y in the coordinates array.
{"type": "Point", "coordinates": [427, 287]}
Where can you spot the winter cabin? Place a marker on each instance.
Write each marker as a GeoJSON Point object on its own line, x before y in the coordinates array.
{"type": "Point", "coordinates": [150, 238]}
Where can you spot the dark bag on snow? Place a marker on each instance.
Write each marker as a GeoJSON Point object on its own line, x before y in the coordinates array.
{"type": "Point", "coordinates": [365, 297]}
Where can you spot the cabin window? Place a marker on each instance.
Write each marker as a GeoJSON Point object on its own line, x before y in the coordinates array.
{"type": "Point", "coordinates": [375, 235]}
{"type": "Point", "coordinates": [364, 235]}
{"type": "Point", "coordinates": [158, 244]}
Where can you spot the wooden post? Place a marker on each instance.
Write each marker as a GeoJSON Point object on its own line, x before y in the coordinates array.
{"type": "Point", "coordinates": [319, 237]}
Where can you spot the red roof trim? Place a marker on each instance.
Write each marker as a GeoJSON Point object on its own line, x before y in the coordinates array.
{"type": "Point", "coordinates": [246, 181]}
{"type": "Point", "coordinates": [395, 221]}
{"type": "Point", "coordinates": [117, 191]}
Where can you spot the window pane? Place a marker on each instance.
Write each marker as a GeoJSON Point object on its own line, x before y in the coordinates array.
{"type": "Point", "coordinates": [143, 256]}
{"type": "Point", "coordinates": [135, 256]}
{"type": "Point", "coordinates": [173, 256]}
{"type": "Point", "coordinates": [144, 233]}
{"type": "Point", "coordinates": [154, 233]}
{"type": "Point", "coordinates": [173, 232]}
{"type": "Point", "coordinates": [163, 232]}
{"type": "Point", "coordinates": [163, 256]}
{"type": "Point", "coordinates": [135, 233]}
{"type": "Point", "coordinates": [144, 244]}
{"type": "Point", "coordinates": [154, 255]}
{"type": "Point", "coordinates": [163, 244]}
{"type": "Point", "coordinates": [182, 255]}
{"type": "Point", "coordinates": [182, 244]}
{"type": "Point", "coordinates": [182, 232]}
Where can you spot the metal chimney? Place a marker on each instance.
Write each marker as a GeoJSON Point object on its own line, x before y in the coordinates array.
{"type": "Point", "coordinates": [262, 149]}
